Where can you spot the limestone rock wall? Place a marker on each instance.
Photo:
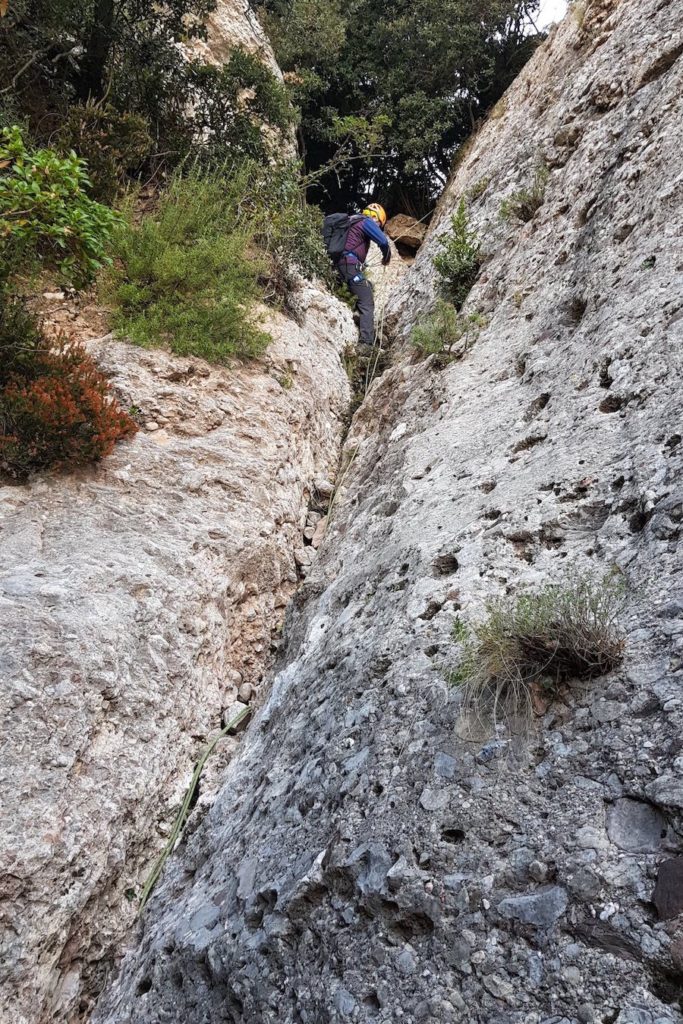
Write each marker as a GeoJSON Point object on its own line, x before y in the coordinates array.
{"type": "Point", "coordinates": [233, 23]}
{"type": "Point", "coordinates": [135, 599]}
{"type": "Point", "coordinates": [363, 861]}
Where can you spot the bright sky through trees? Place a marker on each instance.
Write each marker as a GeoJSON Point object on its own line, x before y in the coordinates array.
{"type": "Point", "coordinates": [551, 11]}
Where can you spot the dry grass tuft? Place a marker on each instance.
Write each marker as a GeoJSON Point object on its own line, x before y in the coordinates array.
{"type": "Point", "coordinates": [531, 647]}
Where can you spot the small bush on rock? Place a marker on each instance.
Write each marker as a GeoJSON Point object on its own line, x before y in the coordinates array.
{"type": "Point", "coordinates": [524, 205]}
{"type": "Point", "coordinates": [182, 277]}
{"type": "Point", "coordinates": [287, 230]}
{"type": "Point", "coordinates": [459, 258]}
{"type": "Point", "coordinates": [537, 643]}
{"type": "Point", "coordinates": [238, 109]}
{"type": "Point", "coordinates": [56, 411]}
{"type": "Point", "coordinates": [447, 334]}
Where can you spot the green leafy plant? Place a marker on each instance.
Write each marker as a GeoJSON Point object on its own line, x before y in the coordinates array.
{"type": "Point", "coordinates": [459, 257]}
{"type": "Point", "coordinates": [450, 61]}
{"type": "Point", "coordinates": [460, 631]}
{"type": "Point", "coordinates": [238, 109]}
{"type": "Point", "coordinates": [536, 644]}
{"type": "Point", "coordinates": [47, 217]}
{"type": "Point", "coordinates": [139, 59]}
{"type": "Point", "coordinates": [477, 190]}
{"type": "Point", "coordinates": [524, 204]}
{"type": "Point", "coordinates": [447, 334]}
{"type": "Point", "coordinates": [56, 410]}
{"type": "Point", "coordinates": [287, 230]}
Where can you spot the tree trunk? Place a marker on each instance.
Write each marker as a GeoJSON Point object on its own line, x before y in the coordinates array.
{"type": "Point", "coordinates": [90, 84]}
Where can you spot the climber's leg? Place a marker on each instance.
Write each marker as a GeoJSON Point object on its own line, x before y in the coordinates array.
{"type": "Point", "coordinates": [358, 284]}
{"type": "Point", "coordinates": [366, 310]}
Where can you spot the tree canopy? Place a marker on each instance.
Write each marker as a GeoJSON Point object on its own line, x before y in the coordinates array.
{"type": "Point", "coordinates": [400, 86]}
{"type": "Point", "coordinates": [385, 92]}
{"type": "Point", "coordinates": [57, 54]}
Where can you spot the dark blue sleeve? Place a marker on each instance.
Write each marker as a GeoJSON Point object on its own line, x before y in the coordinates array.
{"type": "Point", "coordinates": [372, 231]}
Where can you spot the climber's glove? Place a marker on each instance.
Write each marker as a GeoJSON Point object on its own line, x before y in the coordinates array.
{"type": "Point", "coordinates": [386, 258]}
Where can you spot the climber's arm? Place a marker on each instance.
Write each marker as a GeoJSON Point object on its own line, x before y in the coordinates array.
{"type": "Point", "coordinates": [373, 231]}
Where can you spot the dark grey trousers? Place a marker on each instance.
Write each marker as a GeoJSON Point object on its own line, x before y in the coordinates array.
{"type": "Point", "coordinates": [351, 273]}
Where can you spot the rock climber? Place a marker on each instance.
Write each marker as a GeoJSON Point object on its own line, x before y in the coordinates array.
{"type": "Point", "coordinates": [360, 230]}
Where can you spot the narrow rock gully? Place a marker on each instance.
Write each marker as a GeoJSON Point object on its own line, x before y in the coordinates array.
{"type": "Point", "coordinates": [367, 858]}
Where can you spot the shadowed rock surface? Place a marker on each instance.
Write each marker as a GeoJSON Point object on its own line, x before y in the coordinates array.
{"type": "Point", "coordinates": [363, 860]}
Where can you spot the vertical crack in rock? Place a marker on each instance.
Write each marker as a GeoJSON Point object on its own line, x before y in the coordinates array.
{"type": "Point", "coordinates": [366, 860]}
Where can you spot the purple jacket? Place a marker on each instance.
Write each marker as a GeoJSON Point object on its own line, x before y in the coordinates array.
{"type": "Point", "coordinates": [361, 234]}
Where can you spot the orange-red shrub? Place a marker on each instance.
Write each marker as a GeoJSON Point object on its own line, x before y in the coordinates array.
{"type": "Point", "coordinates": [56, 411]}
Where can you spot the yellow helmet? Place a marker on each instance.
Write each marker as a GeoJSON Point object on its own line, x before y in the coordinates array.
{"type": "Point", "coordinates": [377, 212]}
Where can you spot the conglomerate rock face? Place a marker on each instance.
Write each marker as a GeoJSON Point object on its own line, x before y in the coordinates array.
{"type": "Point", "coordinates": [365, 860]}
{"type": "Point", "coordinates": [136, 598]}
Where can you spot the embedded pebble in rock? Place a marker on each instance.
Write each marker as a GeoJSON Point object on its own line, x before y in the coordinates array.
{"type": "Point", "coordinates": [245, 692]}
{"type": "Point", "coordinates": [541, 909]}
{"type": "Point", "coordinates": [236, 713]}
{"type": "Point", "coordinates": [667, 791]}
{"type": "Point", "coordinates": [636, 826]}
{"type": "Point", "coordinates": [500, 891]}
{"type": "Point", "coordinates": [325, 488]}
{"type": "Point", "coordinates": [319, 533]}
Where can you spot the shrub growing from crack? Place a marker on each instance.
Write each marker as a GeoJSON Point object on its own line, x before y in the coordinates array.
{"type": "Point", "coordinates": [524, 204]}
{"type": "Point", "coordinates": [459, 258]}
{"type": "Point", "coordinates": [447, 334]}
{"type": "Point", "coordinates": [477, 190]}
{"type": "Point", "coordinates": [532, 646]}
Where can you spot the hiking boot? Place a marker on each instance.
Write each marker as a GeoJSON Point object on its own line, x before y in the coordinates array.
{"type": "Point", "coordinates": [364, 350]}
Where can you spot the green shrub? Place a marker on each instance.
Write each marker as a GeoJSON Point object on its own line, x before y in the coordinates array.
{"type": "Point", "coordinates": [459, 258]}
{"type": "Point", "coordinates": [523, 205]}
{"type": "Point", "coordinates": [189, 275]}
{"type": "Point", "coordinates": [183, 276]}
{"type": "Point", "coordinates": [477, 190]}
{"type": "Point", "coordinates": [287, 230]}
{"type": "Point", "coordinates": [56, 410]}
{"type": "Point", "coordinates": [111, 144]}
{"type": "Point", "coordinates": [537, 643]}
{"type": "Point", "coordinates": [237, 109]}
{"type": "Point", "coordinates": [447, 333]}
{"type": "Point", "coordinates": [133, 55]}
{"type": "Point", "coordinates": [46, 215]}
